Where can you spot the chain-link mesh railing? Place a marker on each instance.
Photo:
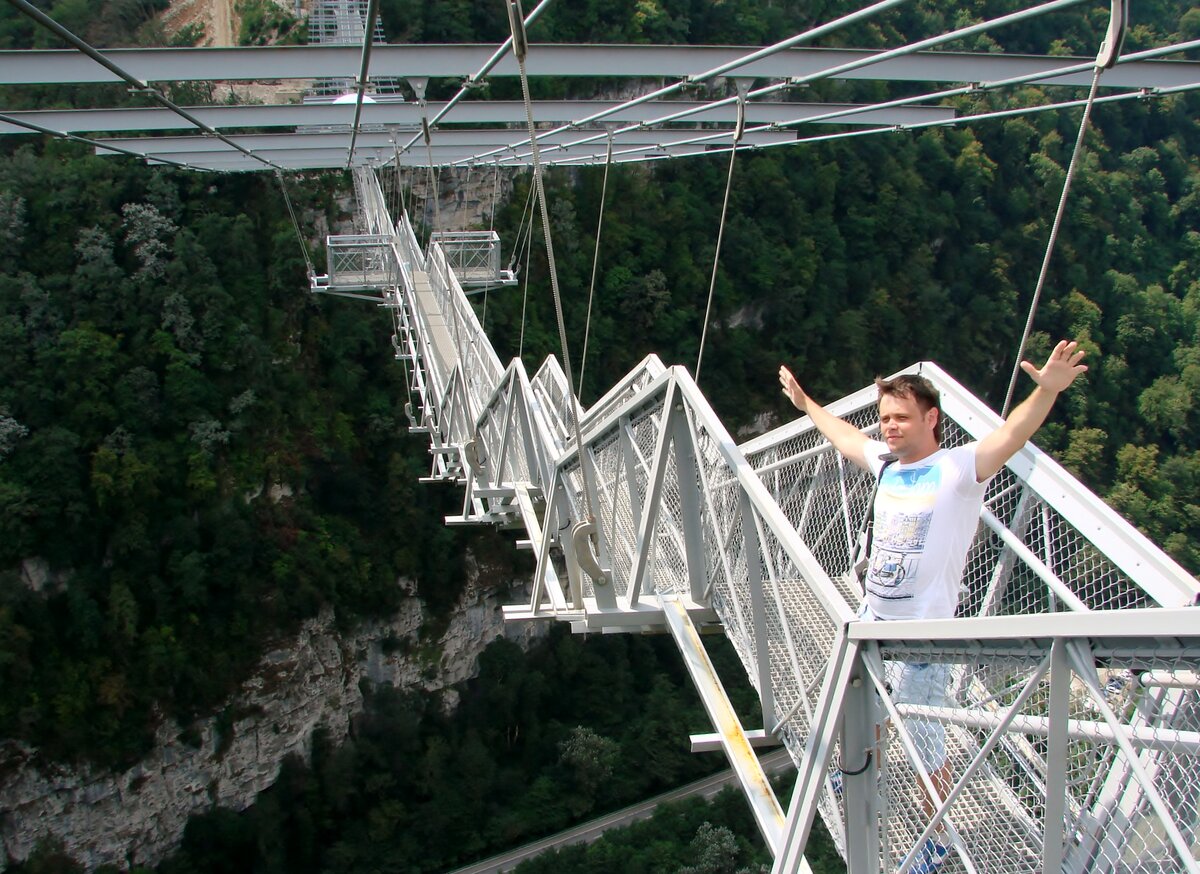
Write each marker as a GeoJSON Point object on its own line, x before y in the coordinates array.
{"type": "Point", "coordinates": [763, 534]}
{"type": "Point", "coordinates": [1128, 750]}
{"type": "Point", "coordinates": [474, 256]}
{"type": "Point", "coordinates": [360, 261]}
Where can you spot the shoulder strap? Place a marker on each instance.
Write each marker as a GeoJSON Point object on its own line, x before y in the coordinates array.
{"type": "Point", "coordinates": [866, 532]}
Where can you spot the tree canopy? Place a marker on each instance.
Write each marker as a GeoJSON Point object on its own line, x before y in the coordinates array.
{"type": "Point", "coordinates": [195, 454]}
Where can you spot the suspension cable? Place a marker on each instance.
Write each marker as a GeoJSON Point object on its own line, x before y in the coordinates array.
{"type": "Point", "coordinates": [712, 283]}
{"type": "Point", "coordinates": [723, 69]}
{"type": "Point", "coordinates": [827, 73]}
{"type": "Point", "coordinates": [520, 48]}
{"type": "Point", "coordinates": [296, 225]}
{"type": "Point", "coordinates": [396, 204]}
{"type": "Point", "coordinates": [433, 181]}
{"type": "Point", "coordinates": [587, 325]}
{"type": "Point", "coordinates": [521, 226]}
{"type": "Point", "coordinates": [1105, 59]}
{"type": "Point", "coordinates": [491, 230]}
{"type": "Point", "coordinates": [487, 67]}
{"type": "Point", "coordinates": [1050, 244]}
{"type": "Point", "coordinates": [525, 296]}
{"type": "Point", "coordinates": [137, 84]}
{"type": "Point", "coordinates": [364, 65]}
{"type": "Point", "coordinates": [406, 192]}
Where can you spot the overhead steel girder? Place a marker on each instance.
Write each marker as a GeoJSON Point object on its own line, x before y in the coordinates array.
{"type": "Point", "coordinates": [265, 63]}
{"type": "Point", "coordinates": [407, 116]}
{"type": "Point", "coordinates": [473, 140]}
{"type": "Point", "coordinates": [316, 159]}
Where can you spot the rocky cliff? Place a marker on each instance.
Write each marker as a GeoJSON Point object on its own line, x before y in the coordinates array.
{"type": "Point", "coordinates": [313, 680]}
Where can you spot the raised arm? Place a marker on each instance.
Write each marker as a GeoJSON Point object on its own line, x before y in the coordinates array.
{"type": "Point", "coordinates": [1060, 370]}
{"type": "Point", "coordinates": [846, 439]}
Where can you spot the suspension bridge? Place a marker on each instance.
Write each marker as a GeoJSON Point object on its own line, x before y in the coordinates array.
{"type": "Point", "coordinates": [1073, 717]}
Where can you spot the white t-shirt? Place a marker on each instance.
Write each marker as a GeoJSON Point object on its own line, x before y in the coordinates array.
{"type": "Point", "coordinates": [926, 514]}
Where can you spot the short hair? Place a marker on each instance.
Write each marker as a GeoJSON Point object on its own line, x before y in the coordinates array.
{"type": "Point", "coordinates": [920, 389]}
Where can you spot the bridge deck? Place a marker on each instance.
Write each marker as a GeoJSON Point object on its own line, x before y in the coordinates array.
{"type": "Point", "coordinates": [760, 535]}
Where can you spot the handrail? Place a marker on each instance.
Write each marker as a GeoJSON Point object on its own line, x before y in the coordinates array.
{"type": "Point", "coordinates": [742, 534]}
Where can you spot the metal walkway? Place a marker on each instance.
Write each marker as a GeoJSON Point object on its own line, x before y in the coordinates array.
{"type": "Point", "coordinates": [1074, 727]}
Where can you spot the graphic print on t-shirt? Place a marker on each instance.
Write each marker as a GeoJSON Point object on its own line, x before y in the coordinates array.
{"type": "Point", "coordinates": [903, 511]}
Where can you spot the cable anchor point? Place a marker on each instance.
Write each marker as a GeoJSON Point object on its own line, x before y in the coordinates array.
{"type": "Point", "coordinates": [1114, 38]}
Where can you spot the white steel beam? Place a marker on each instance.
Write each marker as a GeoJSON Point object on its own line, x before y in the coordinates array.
{"type": "Point", "coordinates": [317, 159]}
{"type": "Point", "coordinates": [1119, 627]}
{"type": "Point", "coordinates": [474, 140]}
{"type": "Point", "coordinates": [406, 117]}
{"type": "Point", "coordinates": [1142, 737]}
{"type": "Point", "coordinates": [738, 748]}
{"type": "Point", "coordinates": [273, 63]}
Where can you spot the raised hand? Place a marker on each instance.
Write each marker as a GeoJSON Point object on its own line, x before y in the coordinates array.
{"type": "Point", "coordinates": [1060, 368]}
{"type": "Point", "coordinates": [792, 389]}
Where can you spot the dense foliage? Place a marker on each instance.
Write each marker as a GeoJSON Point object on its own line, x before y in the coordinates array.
{"type": "Point", "coordinates": [576, 727]}
{"type": "Point", "coordinates": [538, 741]}
{"type": "Point", "coordinates": [194, 453]}
{"type": "Point", "coordinates": [850, 258]}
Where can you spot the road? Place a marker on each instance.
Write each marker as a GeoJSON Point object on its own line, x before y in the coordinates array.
{"type": "Point", "coordinates": [773, 763]}
{"type": "Point", "coordinates": [222, 23]}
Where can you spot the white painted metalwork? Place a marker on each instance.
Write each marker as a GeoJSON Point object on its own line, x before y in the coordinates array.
{"type": "Point", "coordinates": [652, 129]}
{"type": "Point", "coordinates": [406, 117]}
{"type": "Point", "coordinates": [1072, 720]}
{"type": "Point", "coordinates": [643, 61]}
{"type": "Point", "coordinates": [358, 262]}
{"type": "Point", "coordinates": [1072, 664]}
{"type": "Point", "coordinates": [474, 257]}
{"type": "Point", "coordinates": [345, 23]}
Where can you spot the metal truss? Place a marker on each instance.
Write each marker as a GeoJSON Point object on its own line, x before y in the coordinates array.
{"type": "Point", "coordinates": [1071, 722]}
{"type": "Point", "coordinates": [474, 258]}
{"type": "Point", "coordinates": [1072, 719]}
{"type": "Point", "coordinates": [450, 61]}
{"type": "Point", "coordinates": [342, 23]}
{"type": "Point", "coordinates": [651, 128]}
{"type": "Point", "coordinates": [406, 116]}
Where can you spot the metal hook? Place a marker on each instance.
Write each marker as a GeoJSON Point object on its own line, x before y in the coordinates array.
{"type": "Point", "coordinates": [1110, 49]}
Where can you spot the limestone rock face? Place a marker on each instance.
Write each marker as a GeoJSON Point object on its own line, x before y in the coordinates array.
{"type": "Point", "coordinates": [138, 816]}
{"type": "Point", "coordinates": [466, 197]}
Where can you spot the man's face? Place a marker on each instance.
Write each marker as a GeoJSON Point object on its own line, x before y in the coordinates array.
{"type": "Point", "coordinates": [907, 431]}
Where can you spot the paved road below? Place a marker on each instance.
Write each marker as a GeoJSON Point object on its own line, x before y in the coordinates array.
{"type": "Point", "coordinates": [773, 763]}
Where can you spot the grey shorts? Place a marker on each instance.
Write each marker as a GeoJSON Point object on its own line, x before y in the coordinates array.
{"type": "Point", "coordinates": [923, 683]}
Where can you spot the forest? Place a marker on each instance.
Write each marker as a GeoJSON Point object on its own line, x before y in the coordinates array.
{"type": "Point", "coordinates": [196, 454]}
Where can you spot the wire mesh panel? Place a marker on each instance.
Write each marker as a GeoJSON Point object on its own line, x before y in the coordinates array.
{"type": "Point", "coordinates": [344, 22]}
{"type": "Point", "coordinates": [1027, 556]}
{"type": "Point", "coordinates": [624, 457]}
{"type": "Point", "coordinates": [554, 402]}
{"type": "Point", "coordinates": [631, 385]}
{"type": "Point", "coordinates": [474, 256]}
{"type": "Point", "coordinates": [1131, 752]}
{"type": "Point", "coordinates": [764, 535]}
{"type": "Point", "coordinates": [360, 261]}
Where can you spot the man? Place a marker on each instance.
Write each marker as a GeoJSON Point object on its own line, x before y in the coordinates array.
{"type": "Point", "coordinates": [926, 512]}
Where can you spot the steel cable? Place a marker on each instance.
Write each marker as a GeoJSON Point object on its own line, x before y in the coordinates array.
{"type": "Point", "coordinates": [516, 23]}
{"type": "Point", "coordinates": [1050, 244]}
{"type": "Point", "coordinates": [587, 326]}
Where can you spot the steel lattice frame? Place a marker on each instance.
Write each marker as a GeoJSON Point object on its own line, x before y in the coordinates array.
{"type": "Point", "coordinates": [648, 127]}
{"type": "Point", "coordinates": [1075, 668]}
{"type": "Point", "coordinates": [1074, 720]}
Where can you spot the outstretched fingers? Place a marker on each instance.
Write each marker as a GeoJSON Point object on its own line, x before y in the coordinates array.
{"type": "Point", "coordinates": [791, 387]}
{"type": "Point", "coordinates": [1061, 368]}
